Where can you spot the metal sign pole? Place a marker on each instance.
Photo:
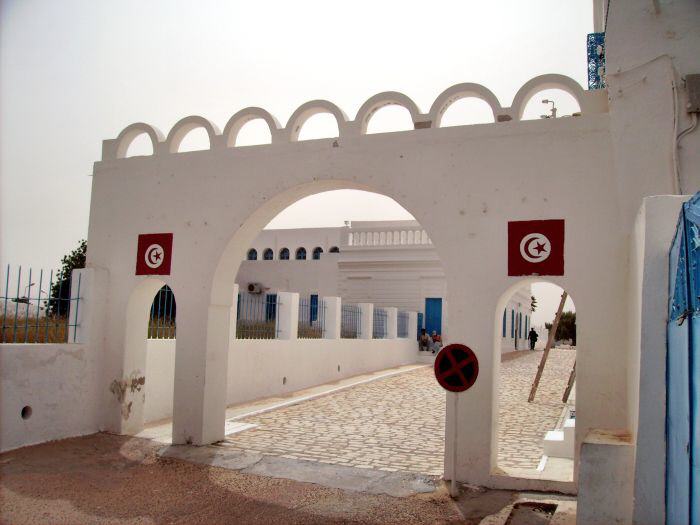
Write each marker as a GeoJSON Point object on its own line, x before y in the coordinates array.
{"type": "Point", "coordinates": [454, 492]}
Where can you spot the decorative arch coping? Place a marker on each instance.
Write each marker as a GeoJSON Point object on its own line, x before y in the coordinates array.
{"type": "Point", "coordinates": [187, 124]}
{"type": "Point", "coordinates": [458, 92]}
{"type": "Point", "coordinates": [308, 110]}
{"type": "Point", "coordinates": [241, 118]}
{"type": "Point", "coordinates": [128, 134]}
{"type": "Point", "coordinates": [378, 101]}
{"type": "Point", "coordinates": [550, 81]}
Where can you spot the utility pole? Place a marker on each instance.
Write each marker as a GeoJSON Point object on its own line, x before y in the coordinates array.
{"type": "Point", "coordinates": [550, 341]}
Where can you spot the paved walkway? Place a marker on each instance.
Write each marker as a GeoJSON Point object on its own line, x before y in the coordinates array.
{"type": "Point", "coordinates": [397, 423]}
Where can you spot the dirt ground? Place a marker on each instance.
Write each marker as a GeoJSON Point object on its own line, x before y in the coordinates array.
{"type": "Point", "coordinates": [107, 479]}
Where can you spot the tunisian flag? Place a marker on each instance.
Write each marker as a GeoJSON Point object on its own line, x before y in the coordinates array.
{"type": "Point", "coordinates": [536, 247]}
{"type": "Point", "coordinates": [154, 254]}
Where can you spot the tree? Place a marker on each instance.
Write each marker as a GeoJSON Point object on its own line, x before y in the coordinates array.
{"type": "Point", "coordinates": [566, 329]}
{"type": "Point", "coordinates": [533, 303]}
{"type": "Point", "coordinates": [59, 296]}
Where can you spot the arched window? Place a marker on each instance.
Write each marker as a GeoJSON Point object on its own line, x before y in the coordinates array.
{"type": "Point", "coordinates": [301, 254]}
{"type": "Point", "coordinates": [284, 254]}
{"type": "Point", "coordinates": [334, 249]}
{"type": "Point", "coordinates": [268, 254]}
{"type": "Point", "coordinates": [252, 254]}
{"type": "Point", "coordinates": [317, 253]}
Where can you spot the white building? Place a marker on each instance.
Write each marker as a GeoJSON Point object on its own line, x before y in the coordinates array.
{"type": "Point", "coordinates": [388, 263]}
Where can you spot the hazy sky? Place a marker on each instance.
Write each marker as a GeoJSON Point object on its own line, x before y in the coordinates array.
{"type": "Point", "coordinates": [73, 73]}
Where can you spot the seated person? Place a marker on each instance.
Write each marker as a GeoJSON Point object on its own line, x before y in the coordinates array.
{"type": "Point", "coordinates": [435, 342]}
{"type": "Point", "coordinates": [424, 341]}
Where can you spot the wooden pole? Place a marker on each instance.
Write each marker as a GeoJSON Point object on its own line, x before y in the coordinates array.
{"type": "Point", "coordinates": [550, 341]}
{"type": "Point", "coordinates": [570, 384]}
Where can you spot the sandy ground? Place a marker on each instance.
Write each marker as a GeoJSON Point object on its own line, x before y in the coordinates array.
{"type": "Point", "coordinates": [116, 479]}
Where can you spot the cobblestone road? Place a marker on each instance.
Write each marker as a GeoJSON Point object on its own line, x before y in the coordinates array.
{"type": "Point", "coordinates": [397, 423]}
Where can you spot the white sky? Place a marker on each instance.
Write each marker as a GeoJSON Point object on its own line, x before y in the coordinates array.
{"type": "Point", "coordinates": [73, 73]}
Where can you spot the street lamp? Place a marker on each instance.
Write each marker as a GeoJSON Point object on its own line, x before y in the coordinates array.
{"type": "Point", "coordinates": [553, 109]}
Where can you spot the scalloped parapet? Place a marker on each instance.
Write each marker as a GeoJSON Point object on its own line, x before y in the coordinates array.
{"type": "Point", "coordinates": [590, 102]}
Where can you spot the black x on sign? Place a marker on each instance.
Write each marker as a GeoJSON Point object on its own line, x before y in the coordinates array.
{"type": "Point", "coordinates": [456, 368]}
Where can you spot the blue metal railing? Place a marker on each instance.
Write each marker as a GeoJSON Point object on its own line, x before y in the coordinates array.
{"type": "Point", "coordinates": [312, 318]}
{"type": "Point", "coordinates": [350, 321]}
{"type": "Point", "coordinates": [402, 325]}
{"type": "Point", "coordinates": [379, 325]}
{"type": "Point", "coordinates": [161, 323]}
{"type": "Point", "coordinates": [257, 316]}
{"type": "Point", "coordinates": [595, 46]}
{"type": "Point", "coordinates": [36, 307]}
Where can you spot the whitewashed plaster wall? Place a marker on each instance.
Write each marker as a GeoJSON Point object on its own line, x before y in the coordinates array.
{"type": "Point", "coordinates": [58, 382]}
{"type": "Point", "coordinates": [294, 238]}
{"type": "Point", "coordinates": [648, 53]}
{"type": "Point", "coordinates": [483, 175]}
{"type": "Point", "coordinates": [648, 314]}
{"type": "Point", "coordinates": [264, 368]}
{"type": "Point", "coordinates": [305, 277]}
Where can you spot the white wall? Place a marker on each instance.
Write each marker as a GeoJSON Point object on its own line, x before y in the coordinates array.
{"type": "Point", "coordinates": [305, 277]}
{"type": "Point", "coordinates": [294, 238]}
{"type": "Point", "coordinates": [649, 281]}
{"type": "Point", "coordinates": [57, 381]}
{"type": "Point", "coordinates": [257, 366]}
{"type": "Point", "coordinates": [160, 379]}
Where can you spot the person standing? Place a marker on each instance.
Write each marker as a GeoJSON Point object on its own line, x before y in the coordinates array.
{"type": "Point", "coordinates": [533, 337]}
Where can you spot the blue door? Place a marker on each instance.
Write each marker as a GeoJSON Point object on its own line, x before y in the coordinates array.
{"type": "Point", "coordinates": [420, 324]}
{"type": "Point", "coordinates": [433, 315]}
{"type": "Point", "coordinates": [683, 371]}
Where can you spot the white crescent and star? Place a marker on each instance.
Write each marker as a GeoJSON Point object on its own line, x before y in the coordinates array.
{"type": "Point", "coordinates": [535, 247]}
{"type": "Point", "coordinates": [154, 256]}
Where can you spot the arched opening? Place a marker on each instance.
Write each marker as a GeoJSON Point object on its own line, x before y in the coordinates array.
{"type": "Point", "coordinates": [254, 132]}
{"type": "Point", "coordinates": [194, 140]}
{"type": "Point", "coordinates": [321, 353]}
{"type": "Point", "coordinates": [300, 254]}
{"type": "Point", "coordinates": [140, 146]}
{"type": "Point", "coordinates": [160, 357]}
{"type": "Point", "coordinates": [252, 255]}
{"type": "Point", "coordinates": [145, 393]}
{"type": "Point", "coordinates": [467, 111]}
{"type": "Point", "coordinates": [390, 118]}
{"type": "Point", "coordinates": [319, 126]}
{"type": "Point", "coordinates": [535, 383]}
{"type": "Point", "coordinates": [284, 254]}
{"type": "Point", "coordinates": [268, 254]}
{"type": "Point", "coordinates": [564, 105]}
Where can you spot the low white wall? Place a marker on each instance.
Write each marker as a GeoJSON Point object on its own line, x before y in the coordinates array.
{"type": "Point", "coordinates": [58, 382]}
{"type": "Point", "coordinates": [160, 379]}
{"type": "Point", "coordinates": [257, 367]}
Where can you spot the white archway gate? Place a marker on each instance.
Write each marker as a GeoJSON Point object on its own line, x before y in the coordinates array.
{"type": "Point", "coordinates": [463, 184]}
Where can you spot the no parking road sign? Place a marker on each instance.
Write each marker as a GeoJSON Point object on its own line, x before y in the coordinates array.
{"type": "Point", "coordinates": [456, 368]}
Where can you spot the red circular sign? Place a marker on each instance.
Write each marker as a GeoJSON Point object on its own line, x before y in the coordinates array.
{"type": "Point", "coordinates": [456, 368]}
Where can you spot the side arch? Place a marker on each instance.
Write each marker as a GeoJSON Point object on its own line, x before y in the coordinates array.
{"type": "Point", "coordinates": [241, 118]}
{"type": "Point", "coordinates": [550, 81]}
{"type": "Point", "coordinates": [458, 92]}
{"type": "Point", "coordinates": [378, 101]}
{"type": "Point", "coordinates": [128, 134]}
{"type": "Point", "coordinates": [187, 124]}
{"type": "Point", "coordinates": [308, 110]}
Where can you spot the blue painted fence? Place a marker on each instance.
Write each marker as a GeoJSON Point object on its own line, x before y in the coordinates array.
{"type": "Point", "coordinates": [683, 371]}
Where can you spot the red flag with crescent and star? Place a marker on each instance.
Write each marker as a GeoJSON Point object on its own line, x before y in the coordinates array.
{"type": "Point", "coordinates": [536, 247]}
{"type": "Point", "coordinates": [154, 254]}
